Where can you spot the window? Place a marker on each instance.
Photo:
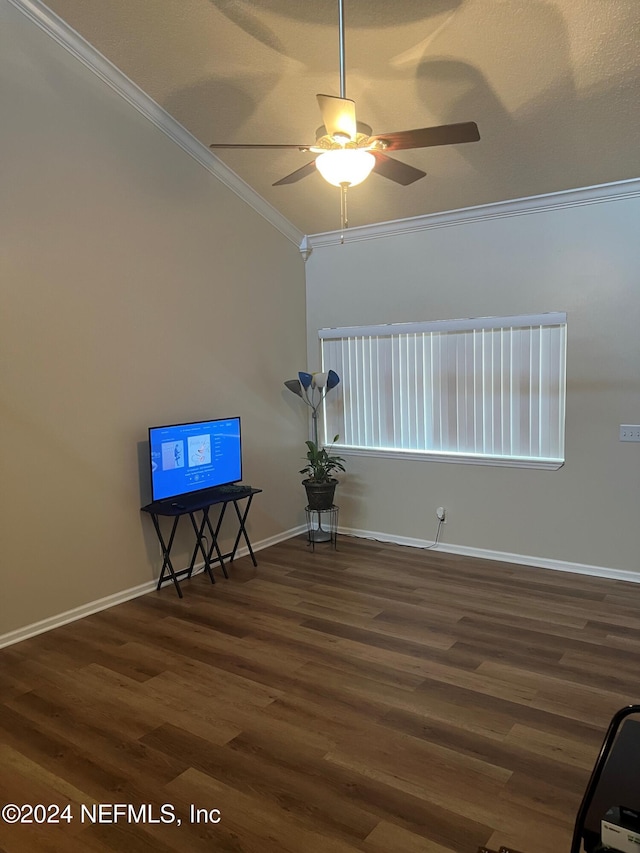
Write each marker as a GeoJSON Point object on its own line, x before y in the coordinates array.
{"type": "Point", "coordinates": [489, 390]}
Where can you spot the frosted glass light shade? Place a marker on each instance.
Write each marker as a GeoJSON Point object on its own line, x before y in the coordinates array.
{"type": "Point", "coordinates": [345, 166]}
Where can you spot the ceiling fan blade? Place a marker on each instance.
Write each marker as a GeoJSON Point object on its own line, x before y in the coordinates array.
{"type": "Point", "coordinates": [298, 175]}
{"type": "Point", "coordinates": [224, 145]}
{"type": "Point", "coordinates": [425, 137]}
{"type": "Point", "coordinates": [396, 171]}
{"type": "Point", "coordinates": [338, 115]}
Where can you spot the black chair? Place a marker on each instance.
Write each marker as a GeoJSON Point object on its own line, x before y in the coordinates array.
{"type": "Point", "coordinates": [610, 779]}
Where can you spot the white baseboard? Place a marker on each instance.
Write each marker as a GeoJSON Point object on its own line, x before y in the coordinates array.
{"type": "Point", "coordinates": [500, 556]}
{"type": "Point", "coordinates": [120, 597]}
{"type": "Point", "coordinates": [462, 550]}
{"type": "Point", "coordinates": [74, 614]}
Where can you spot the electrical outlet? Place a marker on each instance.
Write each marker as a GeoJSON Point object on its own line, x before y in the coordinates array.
{"type": "Point", "coordinates": [441, 513]}
{"type": "Point", "coordinates": [629, 432]}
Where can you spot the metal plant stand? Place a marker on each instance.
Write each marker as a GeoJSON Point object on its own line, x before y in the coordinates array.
{"type": "Point", "coordinates": [322, 526]}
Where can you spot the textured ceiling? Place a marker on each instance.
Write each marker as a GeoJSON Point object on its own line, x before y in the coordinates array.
{"type": "Point", "coordinates": [552, 84]}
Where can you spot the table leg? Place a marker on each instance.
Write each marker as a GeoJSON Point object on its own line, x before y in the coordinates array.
{"type": "Point", "coordinates": [166, 551]}
{"type": "Point", "coordinates": [214, 540]}
{"type": "Point", "coordinates": [199, 531]}
{"type": "Point", "coordinates": [242, 517]}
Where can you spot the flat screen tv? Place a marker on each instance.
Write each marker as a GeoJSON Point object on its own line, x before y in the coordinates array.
{"type": "Point", "coordinates": [193, 457]}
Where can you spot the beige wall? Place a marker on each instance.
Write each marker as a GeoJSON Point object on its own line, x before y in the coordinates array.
{"type": "Point", "coordinates": [583, 260]}
{"type": "Point", "coordinates": [135, 290]}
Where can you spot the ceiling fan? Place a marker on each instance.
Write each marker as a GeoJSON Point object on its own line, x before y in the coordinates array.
{"type": "Point", "coordinates": [347, 151]}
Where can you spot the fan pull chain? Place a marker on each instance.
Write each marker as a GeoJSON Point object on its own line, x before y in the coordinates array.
{"type": "Point", "coordinates": [344, 218]}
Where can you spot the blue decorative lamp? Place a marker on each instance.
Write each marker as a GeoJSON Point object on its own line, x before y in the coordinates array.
{"type": "Point", "coordinates": [313, 388]}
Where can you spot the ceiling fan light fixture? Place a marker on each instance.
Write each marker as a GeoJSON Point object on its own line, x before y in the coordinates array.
{"type": "Point", "coordinates": [350, 166]}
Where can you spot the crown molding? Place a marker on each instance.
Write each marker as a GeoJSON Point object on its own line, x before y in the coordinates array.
{"type": "Point", "coordinates": [73, 42]}
{"type": "Point", "coordinates": [617, 191]}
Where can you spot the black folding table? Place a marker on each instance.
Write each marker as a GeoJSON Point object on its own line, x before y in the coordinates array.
{"type": "Point", "coordinates": [203, 527]}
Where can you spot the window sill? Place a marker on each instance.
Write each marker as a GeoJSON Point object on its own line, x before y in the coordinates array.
{"type": "Point", "coordinates": [456, 458]}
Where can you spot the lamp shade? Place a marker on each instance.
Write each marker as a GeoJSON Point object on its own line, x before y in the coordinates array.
{"type": "Point", "coordinates": [332, 380]}
{"type": "Point", "coordinates": [294, 385]}
{"type": "Point", "coordinates": [345, 166]}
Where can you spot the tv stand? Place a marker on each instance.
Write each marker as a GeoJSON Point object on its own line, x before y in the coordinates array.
{"type": "Point", "coordinates": [202, 527]}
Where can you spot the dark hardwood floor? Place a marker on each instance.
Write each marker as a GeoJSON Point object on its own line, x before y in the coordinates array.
{"type": "Point", "coordinates": [377, 698]}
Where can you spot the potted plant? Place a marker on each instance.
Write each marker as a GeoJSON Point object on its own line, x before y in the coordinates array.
{"type": "Point", "coordinates": [319, 483]}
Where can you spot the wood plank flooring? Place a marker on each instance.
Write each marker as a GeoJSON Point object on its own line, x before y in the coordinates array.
{"type": "Point", "coordinates": [375, 698]}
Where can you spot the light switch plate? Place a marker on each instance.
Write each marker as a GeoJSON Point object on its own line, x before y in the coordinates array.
{"type": "Point", "coordinates": [629, 432]}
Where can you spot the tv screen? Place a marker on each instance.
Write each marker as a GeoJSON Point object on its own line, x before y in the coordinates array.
{"type": "Point", "coordinates": [193, 457]}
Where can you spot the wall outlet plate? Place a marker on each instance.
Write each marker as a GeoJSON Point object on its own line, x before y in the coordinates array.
{"type": "Point", "coordinates": [629, 432]}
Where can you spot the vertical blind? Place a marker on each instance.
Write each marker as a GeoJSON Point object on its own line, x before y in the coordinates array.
{"type": "Point", "coordinates": [492, 387]}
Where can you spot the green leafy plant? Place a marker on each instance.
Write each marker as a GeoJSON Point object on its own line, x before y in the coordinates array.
{"type": "Point", "coordinates": [321, 462]}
